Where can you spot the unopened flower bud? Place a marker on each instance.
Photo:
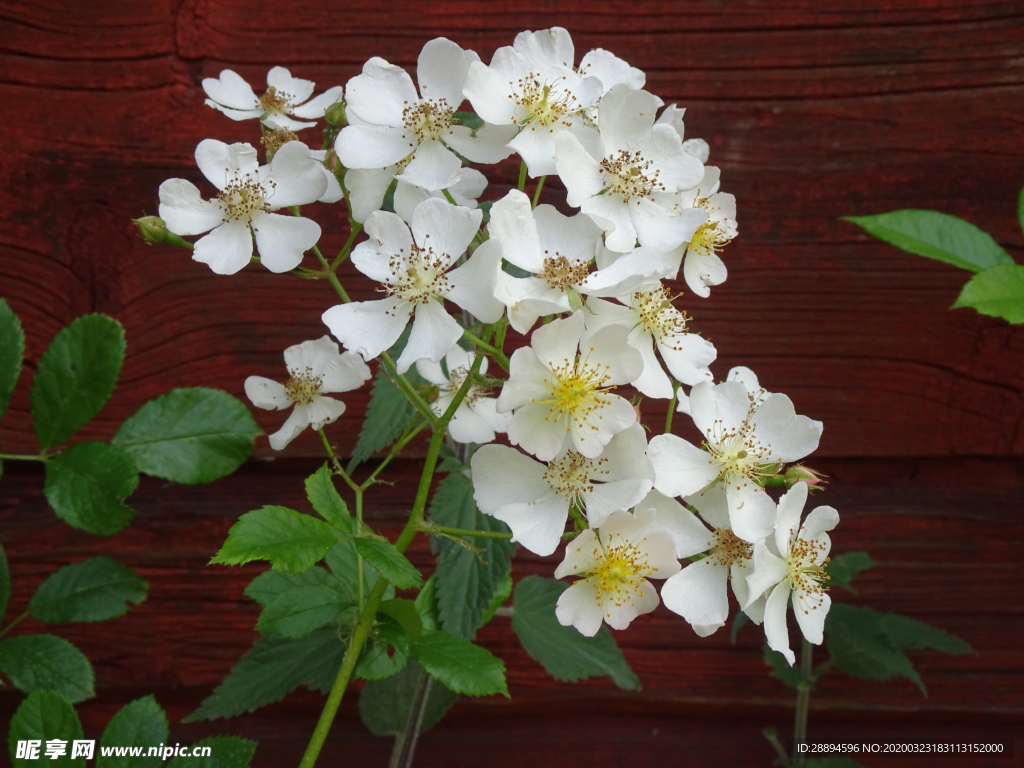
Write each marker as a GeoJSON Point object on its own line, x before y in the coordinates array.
{"type": "Point", "coordinates": [799, 474]}
{"type": "Point", "coordinates": [152, 228]}
{"type": "Point", "coordinates": [335, 114]}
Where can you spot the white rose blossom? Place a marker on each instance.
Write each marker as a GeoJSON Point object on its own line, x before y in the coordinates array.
{"type": "Point", "coordinates": [559, 391]}
{"type": "Point", "coordinates": [243, 209]}
{"type": "Point", "coordinates": [744, 444]}
{"type": "Point", "coordinates": [315, 368]}
{"type": "Point", "coordinates": [395, 132]}
{"type": "Point", "coordinates": [558, 250]}
{"type": "Point", "coordinates": [614, 564]}
{"type": "Point", "coordinates": [475, 420]}
{"type": "Point", "coordinates": [286, 98]}
{"type": "Point", "coordinates": [415, 270]}
{"type": "Point", "coordinates": [630, 190]}
{"type": "Point", "coordinates": [534, 498]}
{"type": "Point", "coordinates": [797, 567]}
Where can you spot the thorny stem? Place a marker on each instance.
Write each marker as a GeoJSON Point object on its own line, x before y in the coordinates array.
{"type": "Point", "coordinates": [522, 176]}
{"type": "Point", "coordinates": [671, 407]}
{"type": "Point", "coordinates": [803, 699]}
{"type": "Point", "coordinates": [405, 743]}
{"type": "Point", "coordinates": [536, 194]}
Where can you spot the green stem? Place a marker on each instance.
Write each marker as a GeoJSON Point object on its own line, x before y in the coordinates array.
{"type": "Point", "coordinates": [13, 624]}
{"type": "Point", "coordinates": [803, 699]}
{"type": "Point", "coordinates": [21, 457]}
{"type": "Point", "coordinates": [361, 577]}
{"type": "Point", "coordinates": [671, 407]}
{"type": "Point", "coordinates": [536, 194]}
{"type": "Point", "coordinates": [522, 176]}
{"type": "Point", "coordinates": [173, 239]}
{"type": "Point", "coordinates": [499, 356]}
{"type": "Point", "coordinates": [431, 528]}
{"type": "Point", "coordinates": [337, 464]}
{"type": "Point", "coordinates": [448, 196]}
{"type": "Point", "coordinates": [409, 390]}
{"type": "Point", "coordinates": [395, 449]}
{"type": "Point", "coordinates": [405, 743]}
{"type": "Point", "coordinates": [344, 252]}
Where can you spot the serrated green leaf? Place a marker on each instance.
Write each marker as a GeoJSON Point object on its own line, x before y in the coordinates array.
{"type": "Point", "coordinates": [471, 120]}
{"type": "Point", "coordinates": [467, 583]}
{"type": "Point", "coordinates": [142, 723]}
{"type": "Point", "coordinates": [384, 704]}
{"type": "Point", "coordinates": [996, 292]}
{"type": "Point", "coordinates": [38, 662]}
{"type": "Point", "coordinates": [326, 500]}
{"type": "Point", "coordinates": [44, 716]}
{"type": "Point", "coordinates": [343, 560]}
{"type": "Point", "coordinates": [269, 584]}
{"type": "Point", "coordinates": [301, 610]}
{"type": "Point", "coordinates": [859, 646]}
{"type": "Point", "coordinates": [563, 651]}
{"type": "Point", "coordinates": [12, 352]}
{"type": "Point", "coordinates": [194, 435]}
{"type": "Point", "coordinates": [503, 593]}
{"type": "Point", "coordinates": [780, 668]}
{"type": "Point", "coordinates": [291, 541]}
{"type": "Point", "coordinates": [910, 635]}
{"type": "Point", "coordinates": [76, 376]}
{"type": "Point", "coordinates": [389, 563]}
{"type": "Point", "coordinates": [936, 236]}
{"type": "Point", "coordinates": [843, 568]}
{"type": "Point", "coordinates": [97, 589]}
{"type": "Point", "coordinates": [86, 486]}
{"type": "Point", "coordinates": [459, 665]}
{"type": "Point", "coordinates": [426, 604]}
{"type": "Point", "coordinates": [5, 583]}
{"type": "Point", "coordinates": [387, 415]}
{"type": "Point", "coordinates": [272, 669]}
{"type": "Point", "coordinates": [405, 613]}
{"type": "Point", "coordinates": [225, 752]}
{"type": "Point", "coordinates": [385, 652]}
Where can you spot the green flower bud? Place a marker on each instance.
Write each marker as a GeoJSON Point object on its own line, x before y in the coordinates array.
{"type": "Point", "coordinates": [799, 474]}
{"type": "Point", "coordinates": [152, 228]}
{"type": "Point", "coordinates": [336, 114]}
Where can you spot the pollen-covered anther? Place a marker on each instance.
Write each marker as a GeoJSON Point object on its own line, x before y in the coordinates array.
{"type": "Point", "coordinates": [630, 176]}
{"type": "Point", "coordinates": [276, 102]}
{"type": "Point", "coordinates": [576, 392]}
{"type": "Point", "coordinates": [277, 138]}
{"type": "Point", "coordinates": [729, 548]}
{"type": "Point", "coordinates": [741, 456]}
{"type": "Point", "coordinates": [455, 379]}
{"type": "Point", "coordinates": [710, 236]}
{"type": "Point", "coordinates": [619, 572]}
{"type": "Point", "coordinates": [302, 388]}
{"type": "Point", "coordinates": [560, 272]}
{"type": "Point", "coordinates": [804, 571]}
{"type": "Point", "coordinates": [243, 197]}
{"type": "Point", "coordinates": [418, 275]}
{"type": "Point", "coordinates": [539, 106]}
{"type": "Point", "coordinates": [571, 476]}
{"type": "Point", "coordinates": [659, 317]}
{"type": "Point", "coordinates": [429, 119]}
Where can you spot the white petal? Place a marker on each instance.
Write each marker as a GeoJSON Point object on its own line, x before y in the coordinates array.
{"type": "Point", "coordinates": [487, 409]}
{"type": "Point", "coordinates": [699, 593]}
{"type": "Point", "coordinates": [614, 496]}
{"type": "Point", "coordinates": [590, 436]}
{"type": "Point", "coordinates": [546, 47]}
{"type": "Point", "coordinates": [608, 346]}
{"type": "Point", "coordinates": [316, 108]}
{"type": "Point", "coordinates": [489, 94]}
{"type": "Point", "coordinates": [820, 519]}
{"type": "Point", "coordinates": [579, 172]}
{"type": "Point", "coordinates": [467, 427]}
{"type": "Point", "coordinates": [447, 229]}
{"type": "Point", "coordinates": [441, 71]}
{"type": "Point", "coordinates": [324, 410]}
{"type": "Point", "coordinates": [373, 146]}
{"type": "Point", "coordinates": [283, 121]}
{"type": "Point", "coordinates": [537, 525]}
{"type": "Point", "coordinates": [775, 622]}
{"type": "Point", "coordinates": [512, 224]}
{"type": "Point", "coordinates": [789, 437]}
{"type": "Point", "coordinates": [611, 70]}
{"type": "Point", "coordinates": [535, 429]}
{"type": "Point", "coordinates": [525, 381]}
{"type": "Point", "coordinates": [581, 554]}
{"type": "Point", "coordinates": [380, 93]}
{"type": "Point", "coordinates": [698, 148]}
{"type": "Point", "coordinates": [298, 89]}
{"type": "Point", "coordinates": [266, 393]}
{"type": "Point", "coordinates": [368, 327]}
{"type": "Point", "coordinates": [432, 372]}
{"type": "Point", "coordinates": [613, 215]}
{"type": "Point", "coordinates": [717, 407]}
{"type": "Point", "coordinates": [681, 468]}
{"type": "Point", "coordinates": [627, 117]}
{"type": "Point", "coordinates": [659, 228]}
{"type": "Point", "coordinates": [769, 570]}
{"type": "Point", "coordinates": [689, 533]}
{"type": "Point", "coordinates": [810, 612]}
{"type": "Point", "coordinates": [677, 170]}
{"type": "Point", "coordinates": [311, 356]}
{"type": "Point", "coordinates": [297, 421]}
{"type": "Point", "coordinates": [503, 475]}
{"type": "Point", "coordinates": [366, 190]}
{"type": "Point", "coordinates": [282, 240]}
{"type": "Point", "coordinates": [345, 373]}
{"type": "Point", "coordinates": [433, 167]}
{"type": "Point", "coordinates": [434, 332]}
{"type": "Point", "coordinates": [184, 211]}
{"type": "Point", "coordinates": [235, 114]}
{"type": "Point", "coordinates": [653, 381]}
{"type": "Point", "coordinates": [370, 259]}
{"type": "Point", "coordinates": [298, 178]}
{"type": "Point", "coordinates": [579, 607]}
{"type": "Point", "coordinates": [221, 163]}
{"type": "Point", "coordinates": [672, 116]}
{"type": "Point", "coordinates": [574, 237]}
{"type": "Point", "coordinates": [226, 249]}
{"type": "Point", "coordinates": [474, 282]}
{"type": "Point", "coordinates": [688, 357]}
{"type": "Point", "coordinates": [557, 342]}
{"type": "Point", "coordinates": [393, 235]}
{"type": "Point", "coordinates": [645, 600]}
{"type": "Point", "coordinates": [627, 456]}
{"type": "Point", "coordinates": [231, 91]}
{"type": "Point", "coordinates": [787, 525]}
{"type": "Point", "coordinates": [712, 505]}
{"type": "Point", "coordinates": [751, 511]}
{"type": "Point", "coordinates": [487, 144]}
{"type": "Point", "coordinates": [536, 145]}
{"type": "Point", "coordinates": [703, 268]}
{"type": "Point", "coordinates": [407, 197]}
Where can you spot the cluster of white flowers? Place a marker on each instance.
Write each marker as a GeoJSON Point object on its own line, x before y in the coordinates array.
{"type": "Point", "coordinates": [647, 207]}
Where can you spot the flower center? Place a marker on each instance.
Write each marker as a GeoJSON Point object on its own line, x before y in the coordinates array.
{"type": "Point", "coordinates": [570, 476]}
{"type": "Point", "coordinates": [804, 573]}
{"type": "Point", "coordinates": [560, 272]}
{"type": "Point", "coordinates": [538, 105]}
{"type": "Point", "coordinates": [455, 379]}
{"type": "Point", "coordinates": [428, 119]}
{"type": "Point", "coordinates": [730, 549]}
{"type": "Point", "coordinates": [275, 139]}
{"type": "Point", "coordinates": [630, 176]}
{"type": "Point", "coordinates": [710, 236]}
{"type": "Point", "coordinates": [619, 570]}
{"type": "Point", "coordinates": [244, 197]}
{"type": "Point", "coordinates": [303, 388]}
{"type": "Point", "coordinates": [419, 275]}
{"type": "Point", "coordinates": [276, 102]}
{"type": "Point", "coordinates": [658, 317]}
{"type": "Point", "coordinates": [740, 456]}
{"type": "Point", "coordinates": [576, 391]}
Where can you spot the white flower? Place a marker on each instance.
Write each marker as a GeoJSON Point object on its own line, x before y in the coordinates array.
{"type": "Point", "coordinates": [744, 445]}
{"type": "Point", "coordinates": [558, 251]}
{"type": "Point", "coordinates": [395, 130]}
{"type": "Point", "coordinates": [534, 499]}
{"type": "Point", "coordinates": [560, 394]}
{"type": "Point", "coordinates": [247, 196]}
{"type": "Point", "coordinates": [742, 374]}
{"type": "Point", "coordinates": [630, 189]}
{"type": "Point", "coordinates": [614, 564]}
{"type": "Point", "coordinates": [798, 568]}
{"type": "Point", "coordinates": [464, 192]}
{"type": "Point", "coordinates": [333, 192]}
{"type": "Point", "coordinates": [414, 270]}
{"type": "Point", "coordinates": [532, 87]}
{"type": "Point", "coordinates": [698, 593]}
{"type": "Point", "coordinates": [703, 267]}
{"type": "Point", "coordinates": [475, 420]}
{"type": "Point", "coordinates": [655, 325]}
{"type": "Point", "coordinates": [286, 97]}
{"type": "Point", "coordinates": [315, 368]}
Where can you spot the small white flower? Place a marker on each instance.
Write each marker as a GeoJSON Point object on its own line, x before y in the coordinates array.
{"type": "Point", "coordinates": [630, 189]}
{"type": "Point", "coordinates": [744, 444]}
{"type": "Point", "coordinates": [415, 270]}
{"type": "Point", "coordinates": [247, 196]}
{"type": "Point", "coordinates": [464, 192]}
{"type": "Point", "coordinates": [534, 498]}
{"type": "Point", "coordinates": [613, 566]}
{"type": "Point", "coordinates": [560, 391]}
{"type": "Point", "coordinates": [655, 325]}
{"type": "Point", "coordinates": [475, 420]}
{"type": "Point", "coordinates": [798, 568]}
{"type": "Point", "coordinates": [395, 130]}
{"type": "Point", "coordinates": [316, 368]}
{"type": "Point", "coordinates": [703, 267]}
{"type": "Point", "coordinates": [285, 99]}
{"type": "Point", "coordinates": [558, 250]}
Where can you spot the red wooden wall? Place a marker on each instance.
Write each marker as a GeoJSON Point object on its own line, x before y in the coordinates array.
{"type": "Point", "coordinates": [813, 110]}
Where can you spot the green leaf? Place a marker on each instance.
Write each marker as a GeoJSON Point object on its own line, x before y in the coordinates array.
{"type": "Point", "coordinates": [471, 120]}
{"type": "Point", "coordinates": [384, 704]}
{"type": "Point", "coordinates": [910, 635]}
{"type": "Point", "coordinates": [269, 584]}
{"type": "Point", "coordinates": [426, 604]}
{"type": "Point", "coordinates": [302, 610]}
{"type": "Point", "coordinates": [859, 646]}
{"type": "Point", "coordinates": [87, 484]}
{"type": "Point", "coordinates": [326, 500]}
{"type": "Point", "coordinates": [76, 376]}
{"type": "Point", "coordinates": [405, 613]}
{"type": "Point", "coordinates": [843, 568]}
{"type": "Point", "coordinates": [387, 416]}
{"type": "Point", "coordinates": [225, 752]}
{"type": "Point", "coordinates": [937, 236]}
{"type": "Point", "coordinates": [35, 662]}
{"type": "Point", "coordinates": [189, 436]}
{"type": "Point", "coordinates": [996, 292]}
{"type": "Point", "coordinates": [343, 560]}
{"type": "Point", "coordinates": [467, 583]}
{"type": "Point", "coordinates": [97, 589]}
{"type": "Point", "coordinates": [43, 716]}
{"type": "Point", "coordinates": [290, 540]}
{"type": "Point", "coordinates": [562, 651]}
{"type": "Point", "coordinates": [503, 593]}
{"type": "Point", "coordinates": [459, 665]}
{"type": "Point", "coordinates": [141, 723]}
{"type": "Point", "coordinates": [780, 668]}
{"type": "Point", "coordinates": [12, 352]}
{"type": "Point", "coordinates": [5, 583]}
{"type": "Point", "coordinates": [385, 652]}
{"type": "Point", "coordinates": [272, 669]}
{"type": "Point", "coordinates": [389, 563]}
